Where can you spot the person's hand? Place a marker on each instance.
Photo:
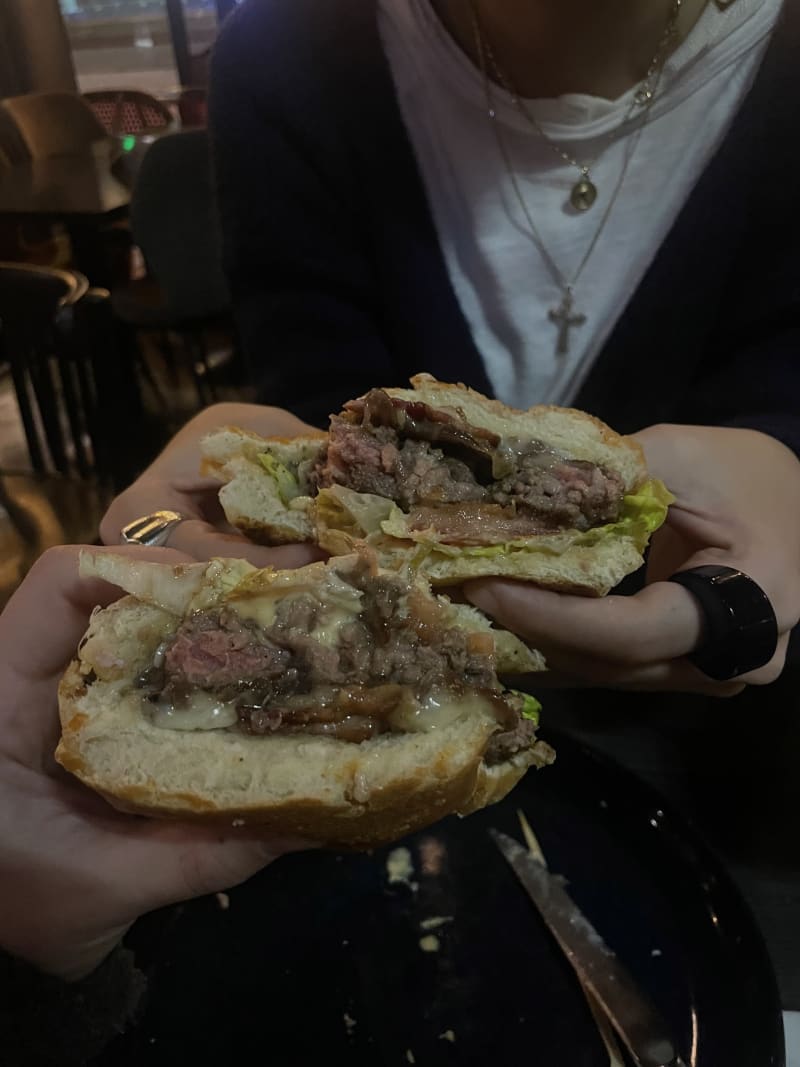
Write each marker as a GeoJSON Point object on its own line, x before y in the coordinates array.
{"type": "Point", "coordinates": [172, 482]}
{"type": "Point", "coordinates": [738, 505]}
{"type": "Point", "coordinates": [74, 872]}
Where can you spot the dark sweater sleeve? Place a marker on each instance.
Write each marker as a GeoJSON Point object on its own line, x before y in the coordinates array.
{"type": "Point", "coordinates": [45, 1022]}
{"type": "Point", "coordinates": [752, 378]}
{"type": "Point", "coordinates": [296, 251]}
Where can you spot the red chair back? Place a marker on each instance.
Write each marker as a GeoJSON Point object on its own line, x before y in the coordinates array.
{"type": "Point", "coordinates": [124, 111]}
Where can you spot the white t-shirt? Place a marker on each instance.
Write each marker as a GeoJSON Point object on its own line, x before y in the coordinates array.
{"type": "Point", "coordinates": [501, 280]}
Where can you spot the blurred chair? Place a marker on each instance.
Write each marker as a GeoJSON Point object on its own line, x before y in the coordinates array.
{"type": "Point", "coordinates": [122, 111]}
{"type": "Point", "coordinates": [193, 107]}
{"type": "Point", "coordinates": [174, 223]}
{"type": "Point", "coordinates": [37, 241]}
{"type": "Point", "coordinates": [54, 124]}
{"type": "Point", "coordinates": [78, 400]}
{"type": "Point", "coordinates": [62, 124]}
{"type": "Point", "coordinates": [13, 149]}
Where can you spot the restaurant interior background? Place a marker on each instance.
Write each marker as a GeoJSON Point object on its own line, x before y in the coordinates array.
{"type": "Point", "coordinates": [115, 326]}
{"type": "Point", "coordinates": [115, 323]}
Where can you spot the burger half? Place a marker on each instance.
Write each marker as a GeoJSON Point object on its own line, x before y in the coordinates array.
{"type": "Point", "coordinates": [460, 485]}
{"type": "Point", "coordinates": [335, 702]}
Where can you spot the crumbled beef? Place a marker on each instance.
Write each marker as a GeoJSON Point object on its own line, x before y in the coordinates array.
{"type": "Point", "coordinates": [298, 613]}
{"type": "Point", "coordinates": [505, 744]}
{"type": "Point", "coordinates": [408, 471]}
{"type": "Point", "coordinates": [418, 421]}
{"type": "Point", "coordinates": [357, 646]}
{"type": "Point", "coordinates": [423, 458]}
{"type": "Point", "coordinates": [378, 610]}
{"type": "Point", "coordinates": [573, 493]}
{"type": "Point", "coordinates": [287, 678]}
{"type": "Point", "coordinates": [407, 660]}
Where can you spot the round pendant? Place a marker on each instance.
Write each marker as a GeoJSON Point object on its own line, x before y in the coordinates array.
{"type": "Point", "coordinates": [583, 195]}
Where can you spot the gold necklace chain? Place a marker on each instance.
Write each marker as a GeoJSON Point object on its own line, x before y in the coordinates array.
{"type": "Point", "coordinates": [584, 191]}
{"type": "Point", "coordinates": [562, 316]}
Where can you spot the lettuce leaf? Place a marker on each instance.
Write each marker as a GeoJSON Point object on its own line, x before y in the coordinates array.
{"type": "Point", "coordinates": [530, 706]}
{"type": "Point", "coordinates": [641, 515]}
{"type": "Point", "coordinates": [359, 514]}
{"type": "Point", "coordinates": [287, 485]}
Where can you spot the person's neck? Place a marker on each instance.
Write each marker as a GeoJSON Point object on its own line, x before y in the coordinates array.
{"type": "Point", "coordinates": [547, 48]}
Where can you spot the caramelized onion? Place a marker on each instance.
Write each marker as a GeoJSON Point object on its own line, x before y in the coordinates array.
{"type": "Point", "coordinates": [472, 522]}
{"type": "Point", "coordinates": [480, 644]}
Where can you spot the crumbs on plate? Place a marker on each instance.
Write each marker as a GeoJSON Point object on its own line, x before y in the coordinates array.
{"type": "Point", "coordinates": [400, 868]}
{"type": "Point", "coordinates": [430, 943]}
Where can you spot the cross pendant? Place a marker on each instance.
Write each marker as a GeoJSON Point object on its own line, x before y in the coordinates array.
{"type": "Point", "coordinates": [562, 316]}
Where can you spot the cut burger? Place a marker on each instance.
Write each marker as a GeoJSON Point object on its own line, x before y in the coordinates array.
{"type": "Point", "coordinates": [336, 702]}
{"type": "Point", "coordinates": [462, 485]}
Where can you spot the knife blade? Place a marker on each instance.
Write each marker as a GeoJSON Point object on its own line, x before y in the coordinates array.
{"type": "Point", "coordinates": [635, 1018]}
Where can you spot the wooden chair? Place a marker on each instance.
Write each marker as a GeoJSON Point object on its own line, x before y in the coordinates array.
{"type": "Point", "coordinates": [78, 398]}
{"type": "Point", "coordinates": [174, 222]}
{"type": "Point", "coordinates": [13, 149]}
{"type": "Point", "coordinates": [54, 124]}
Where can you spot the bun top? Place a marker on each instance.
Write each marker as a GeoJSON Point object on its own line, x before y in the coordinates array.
{"type": "Point", "coordinates": [186, 588]}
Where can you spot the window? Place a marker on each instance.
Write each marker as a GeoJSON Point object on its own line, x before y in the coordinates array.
{"type": "Point", "coordinates": [141, 44]}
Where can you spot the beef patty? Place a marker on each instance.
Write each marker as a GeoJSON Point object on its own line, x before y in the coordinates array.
{"type": "Point", "coordinates": [289, 677]}
{"type": "Point", "coordinates": [428, 462]}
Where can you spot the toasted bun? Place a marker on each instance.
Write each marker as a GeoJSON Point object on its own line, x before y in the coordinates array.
{"type": "Point", "coordinates": [580, 570]}
{"type": "Point", "coordinates": [249, 497]}
{"type": "Point", "coordinates": [326, 790]}
{"type": "Point", "coordinates": [511, 655]}
{"type": "Point", "coordinates": [252, 502]}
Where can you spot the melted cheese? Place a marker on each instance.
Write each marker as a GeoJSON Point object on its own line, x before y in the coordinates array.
{"type": "Point", "coordinates": [434, 711]}
{"type": "Point", "coordinates": [260, 609]}
{"type": "Point", "coordinates": [332, 619]}
{"type": "Point", "coordinates": [339, 604]}
{"type": "Point", "coordinates": [204, 713]}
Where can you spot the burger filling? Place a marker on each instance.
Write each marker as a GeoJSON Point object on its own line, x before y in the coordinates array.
{"type": "Point", "coordinates": [464, 482]}
{"type": "Point", "coordinates": [363, 659]}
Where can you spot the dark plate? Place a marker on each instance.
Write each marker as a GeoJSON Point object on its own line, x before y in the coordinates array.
{"type": "Point", "coordinates": [318, 959]}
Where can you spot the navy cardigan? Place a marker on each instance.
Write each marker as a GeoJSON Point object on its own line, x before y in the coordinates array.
{"type": "Point", "coordinates": [340, 284]}
{"type": "Point", "coordinates": [339, 281]}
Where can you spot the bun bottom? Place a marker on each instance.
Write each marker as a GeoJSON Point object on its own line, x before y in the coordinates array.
{"type": "Point", "coordinates": [583, 570]}
{"type": "Point", "coordinates": [332, 792]}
